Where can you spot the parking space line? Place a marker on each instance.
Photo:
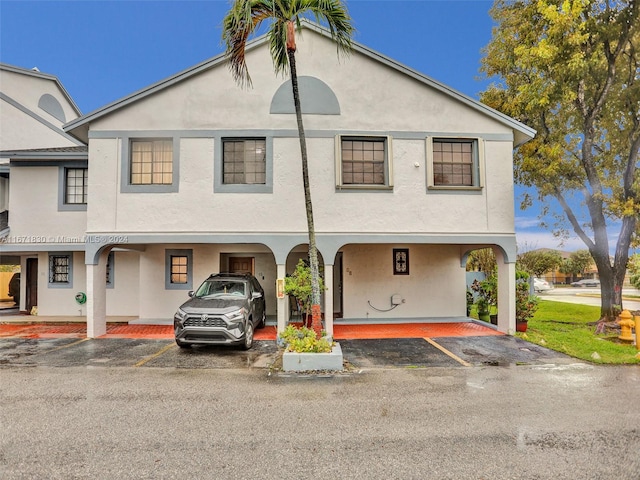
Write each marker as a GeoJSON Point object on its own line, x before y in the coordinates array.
{"type": "Point", "coordinates": [447, 352]}
{"type": "Point", "coordinates": [155, 355]}
{"type": "Point", "coordinates": [78, 342]}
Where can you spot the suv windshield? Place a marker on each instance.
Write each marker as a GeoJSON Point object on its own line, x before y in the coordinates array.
{"type": "Point", "coordinates": [221, 288]}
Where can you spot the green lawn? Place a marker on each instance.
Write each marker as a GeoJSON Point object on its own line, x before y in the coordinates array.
{"type": "Point", "coordinates": [564, 327]}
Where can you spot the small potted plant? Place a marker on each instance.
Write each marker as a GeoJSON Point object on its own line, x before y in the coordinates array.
{"type": "Point", "coordinates": [482, 300]}
{"type": "Point", "coordinates": [490, 288]}
{"type": "Point", "coordinates": [482, 307]}
{"type": "Point", "coordinates": [469, 301]}
{"type": "Point", "coordinates": [526, 304]}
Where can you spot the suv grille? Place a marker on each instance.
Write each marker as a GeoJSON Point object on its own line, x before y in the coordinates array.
{"type": "Point", "coordinates": [209, 322]}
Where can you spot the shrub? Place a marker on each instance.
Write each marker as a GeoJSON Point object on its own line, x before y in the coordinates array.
{"type": "Point", "coordinates": [526, 304]}
{"type": "Point", "coordinates": [304, 340]}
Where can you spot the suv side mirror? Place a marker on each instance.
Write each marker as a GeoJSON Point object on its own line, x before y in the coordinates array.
{"type": "Point", "coordinates": [190, 293]}
{"type": "Point", "coordinates": [256, 295]}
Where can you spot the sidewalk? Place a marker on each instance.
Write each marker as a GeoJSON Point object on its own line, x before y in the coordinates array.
{"type": "Point", "coordinates": [78, 329]}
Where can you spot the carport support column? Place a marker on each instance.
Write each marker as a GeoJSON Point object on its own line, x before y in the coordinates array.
{"type": "Point", "coordinates": [506, 294]}
{"type": "Point", "coordinates": [328, 299]}
{"type": "Point", "coordinates": [282, 303]}
{"type": "Point", "coordinates": [97, 297]}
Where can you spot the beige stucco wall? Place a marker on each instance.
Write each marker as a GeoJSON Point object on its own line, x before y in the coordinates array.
{"type": "Point", "coordinates": [122, 299]}
{"type": "Point", "coordinates": [156, 302]}
{"type": "Point", "coordinates": [34, 209]}
{"type": "Point", "coordinates": [375, 99]}
{"type": "Point", "coordinates": [372, 96]}
{"type": "Point", "coordinates": [432, 289]}
{"type": "Point", "coordinates": [21, 131]}
{"type": "Point", "coordinates": [408, 208]}
{"type": "Point", "coordinates": [61, 301]}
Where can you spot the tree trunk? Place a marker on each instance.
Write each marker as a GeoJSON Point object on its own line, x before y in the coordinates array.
{"type": "Point", "coordinates": [611, 276]}
{"type": "Point", "coordinates": [316, 317]}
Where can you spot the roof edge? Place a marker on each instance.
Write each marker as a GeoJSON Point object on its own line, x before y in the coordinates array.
{"type": "Point", "coordinates": [73, 126]}
{"type": "Point", "coordinates": [524, 132]}
{"type": "Point", "coordinates": [44, 76]}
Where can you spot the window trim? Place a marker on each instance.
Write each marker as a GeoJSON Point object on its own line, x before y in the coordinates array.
{"type": "Point", "coordinates": [183, 252]}
{"type": "Point", "coordinates": [478, 163]}
{"type": "Point", "coordinates": [388, 162]}
{"type": "Point", "coordinates": [125, 162]}
{"type": "Point", "coordinates": [69, 283]}
{"type": "Point", "coordinates": [62, 187]}
{"type": "Point", "coordinates": [218, 167]}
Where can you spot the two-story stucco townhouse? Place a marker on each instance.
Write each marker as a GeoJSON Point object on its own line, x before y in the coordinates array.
{"type": "Point", "coordinates": [195, 175]}
{"type": "Point", "coordinates": [33, 108]}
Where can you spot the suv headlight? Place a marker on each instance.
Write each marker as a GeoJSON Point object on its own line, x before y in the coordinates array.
{"type": "Point", "coordinates": [181, 314]}
{"type": "Point", "coordinates": [236, 319]}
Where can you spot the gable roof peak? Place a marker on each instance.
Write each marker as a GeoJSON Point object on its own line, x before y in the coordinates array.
{"type": "Point", "coordinates": [80, 126]}
{"type": "Point", "coordinates": [35, 72]}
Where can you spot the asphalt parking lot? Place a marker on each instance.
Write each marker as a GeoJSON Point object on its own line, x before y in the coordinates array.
{"type": "Point", "coordinates": [460, 352]}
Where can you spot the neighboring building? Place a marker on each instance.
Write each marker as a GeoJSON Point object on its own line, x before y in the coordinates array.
{"type": "Point", "coordinates": [194, 175]}
{"type": "Point", "coordinates": [557, 277]}
{"type": "Point", "coordinates": [34, 107]}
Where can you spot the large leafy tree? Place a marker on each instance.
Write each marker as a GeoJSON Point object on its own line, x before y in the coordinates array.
{"type": "Point", "coordinates": [283, 16]}
{"type": "Point", "coordinates": [570, 69]}
{"type": "Point", "coordinates": [539, 262]}
{"type": "Point", "coordinates": [482, 260]}
{"type": "Point", "coordinates": [577, 263]}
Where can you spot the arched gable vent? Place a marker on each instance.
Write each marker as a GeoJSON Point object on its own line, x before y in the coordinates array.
{"type": "Point", "coordinates": [49, 104]}
{"type": "Point", "coordinates": [315, 97]}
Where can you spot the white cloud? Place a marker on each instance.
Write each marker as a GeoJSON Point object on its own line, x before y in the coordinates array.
{"type": "Point", "coordinates": [526, 222]}
{"type": "Point", "coordinates": [534, 239]}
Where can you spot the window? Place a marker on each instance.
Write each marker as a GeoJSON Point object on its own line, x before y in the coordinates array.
{"type": "Point", "coordinates": [401, 261]}
{"type": "Point", "coordinates": [60, 270]}
{"type": "Point", "coordinates": [178, 269]}
{"type": "Point", "coordinates": [454, 162]}
{"type": "Point", "coordinates": [363, 162]}
{"type": "Point", "coordinates": [244, 161]}
{"type": "Point", "coordinates": [151, 162]}
{"type": "Point", "coordinates": [75, 186]}
{"type": "Point", "coordinates": [73, 189]}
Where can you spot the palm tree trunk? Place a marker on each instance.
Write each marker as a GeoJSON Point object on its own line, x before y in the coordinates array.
{"type": "Point", "coordinates": [316, 316]}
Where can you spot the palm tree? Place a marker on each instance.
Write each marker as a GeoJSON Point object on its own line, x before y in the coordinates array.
{"type": "Point", "coordinates": [244, 18]}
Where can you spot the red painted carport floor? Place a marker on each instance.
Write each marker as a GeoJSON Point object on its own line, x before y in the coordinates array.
{"type": "Point", "coordinates": [341, 332]}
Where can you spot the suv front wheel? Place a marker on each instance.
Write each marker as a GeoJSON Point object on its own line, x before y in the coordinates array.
{"type": "Point", "coordinates": [248, 336]}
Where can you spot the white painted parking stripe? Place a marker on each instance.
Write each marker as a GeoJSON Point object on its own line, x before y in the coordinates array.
{"type": "Point", "coordinates": [155, 355]}
{"type": "Point", "coordinates": [447, 352]}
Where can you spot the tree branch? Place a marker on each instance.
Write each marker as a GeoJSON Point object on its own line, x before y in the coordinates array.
{"type": "Point", "coordinates": [573, 220]}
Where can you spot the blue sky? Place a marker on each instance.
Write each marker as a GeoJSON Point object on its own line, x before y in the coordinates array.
{"type": "Point", "coordinates": [104, 50]}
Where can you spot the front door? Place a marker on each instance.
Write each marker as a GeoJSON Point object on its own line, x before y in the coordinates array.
{"type": "Point", "coordinates": [241, 265]}
{"type": "Point", "coordinates": [32, 284]}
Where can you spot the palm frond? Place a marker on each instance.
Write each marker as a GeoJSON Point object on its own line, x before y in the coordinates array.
{"type": "Point", "coordinates": [246, 16]}
{"type": "Point", "coordinates": [239, 24]}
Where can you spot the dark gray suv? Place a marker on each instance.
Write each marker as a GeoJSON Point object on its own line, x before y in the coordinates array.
{"type": "Point", "coordinates": [224, 310]}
